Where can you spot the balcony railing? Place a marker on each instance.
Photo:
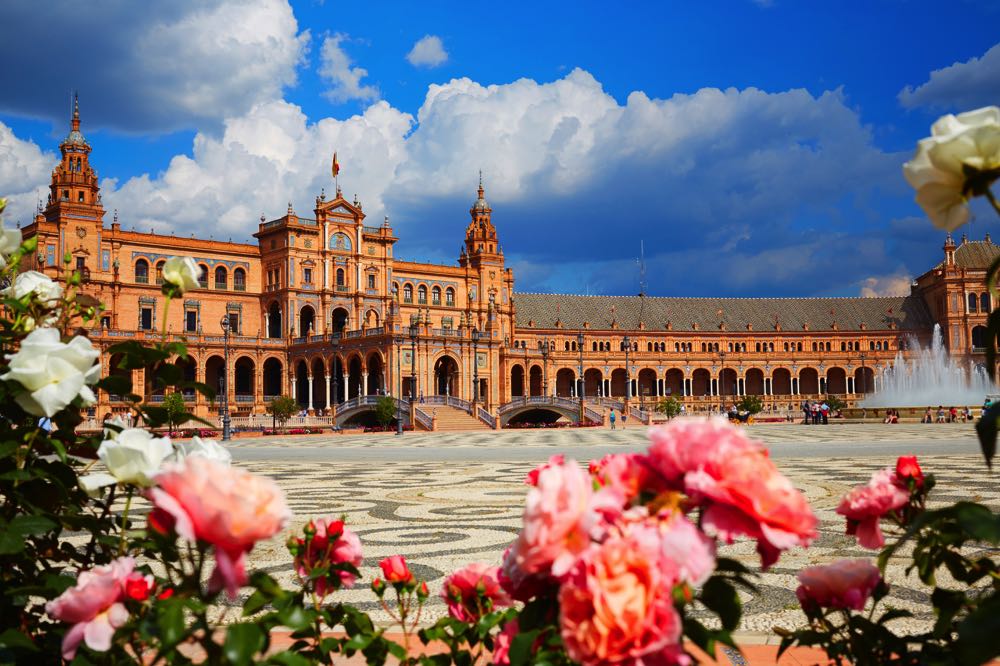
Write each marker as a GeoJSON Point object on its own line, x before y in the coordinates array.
{"type": "Point", "coordinates": [142, 279]}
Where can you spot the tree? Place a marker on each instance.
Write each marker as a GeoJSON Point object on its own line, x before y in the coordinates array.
{"type": "Point", "coordinates": [670, 406]}
{"type": "Point", "coordinates": [281, 408]}
{"type": "Point", "coordinates": [750, 403]}
{"type": "Point", "coordinates": [173, 403]}
{"type": "Point", "coordinates": [834, 403]}
{"type": "Point", "coordinates": [385, 410]}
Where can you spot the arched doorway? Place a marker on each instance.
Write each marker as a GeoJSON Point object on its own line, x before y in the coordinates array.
{"type": "Point", "coordinates": [339, 320]}
{"type": "Point", "coordinates": [781, 382]}
{"type": "Point", "coordinates": [727, 383]}
{"type": "Point", "coordinates": [535, 380]}
{"type": "Point", "coordinates": [674, 383]}
{"type": "Point", "coordinates": [618, 382]}
{"type": "Point", "coordinates": [864, 380]}
{"type": "Point", "coordinates": [754, 382]}
{"type": "Point", "coordinates": [336, 380]}
{"type": "Point", "coordinates": [516, 381]}
{"type": "Point", "coordinates": [190, 370]}
{"type": "Point", "coordinates": [646, 384]}
{"type": "Point", "coordinates": [375, 374]}
{"type": "Point", "coordinates": [318, 384]}
{"type": "Point", "coordinates": [836, 381]}
{"type": "Point", "coordinates": [274, 321]}
{"type": "Point", "coordinates": [808, 381]}
{"type": "Point", "coordinates": [446, 376]}
{"type": "Point", "coordinates": [592, 380]}
{"type": "Point", "coordinates": [243, 375]}
{"type": "Point", "coordinates": [371, 319]}
{"type": "Point", "coordinates": [214, 374]}
{"type": "Point", "coordinates": [302, 383]}
{"type": "Point", "coordinates": [353, 377]}
{"type": "Point", "coordinates": [701, 382]}
{"type": "Point", "coordinates": [565, 379]}
{"type": "Point", "coordinates": [272, 379]}
{"type": "Point", "coordinates": [307, 321]}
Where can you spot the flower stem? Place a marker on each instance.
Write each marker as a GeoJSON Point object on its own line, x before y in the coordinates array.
{"type": "Point", "coordinates": [166, 309]}
{"type": "Point", "coordinates": [128, 505]}
{"type": "Point", "coordinates": [992, 199]}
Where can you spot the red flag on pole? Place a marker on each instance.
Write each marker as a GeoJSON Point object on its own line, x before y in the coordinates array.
{"type": "Point", "coordinates": [335, 168]}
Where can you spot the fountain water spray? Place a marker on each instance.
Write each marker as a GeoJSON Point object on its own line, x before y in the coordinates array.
{"type": "Point", "coordinates": [930, 377]}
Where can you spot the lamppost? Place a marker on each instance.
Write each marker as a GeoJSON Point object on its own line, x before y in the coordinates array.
{"type": "Point", "coordinates": [414, 332]}
{"type": "Point", "coordinates": [475, 365]}
{"type": "Point", "coordinates": [864, 375]}
{"type": "Point", "coordinates": [581, 386]}
{"type": "Point", "coordinates": [399, 381]}
{"type": "Point", "coordinates": [722, 377]}
{"type": "Point", "coordinates": [627, 344]}
{"type": "Point", "coordinates": [527, 374]}
{"type": "Point", "coordinates": [224, 403]}
{"type": "Point", "coordinates": [544, 347]}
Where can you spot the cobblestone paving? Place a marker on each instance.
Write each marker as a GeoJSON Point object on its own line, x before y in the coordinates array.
{"type": "Point", "coordinates": [769, 433]}
{"type": "Point", "coordinates": [441, 515]}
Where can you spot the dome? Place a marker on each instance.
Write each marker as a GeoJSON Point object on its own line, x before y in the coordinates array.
{"type": "Point", "coordinates": [76, 137]}
{"type": "Point", "coordinates": [480, 204]}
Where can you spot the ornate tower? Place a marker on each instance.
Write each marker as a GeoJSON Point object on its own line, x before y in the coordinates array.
{"type": "Point", "coordinates": [481, 246]}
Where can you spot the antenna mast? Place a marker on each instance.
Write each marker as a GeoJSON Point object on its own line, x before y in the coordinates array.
{"type": "Point", "coordinates": [642, 268]}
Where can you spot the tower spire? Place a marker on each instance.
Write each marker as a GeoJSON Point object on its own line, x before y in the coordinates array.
{"type": "Point", "coordinates": [76, 111]}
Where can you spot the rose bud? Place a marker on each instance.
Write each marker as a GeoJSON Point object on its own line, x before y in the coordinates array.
{"type": "Point", "coordinates": [395, 570]}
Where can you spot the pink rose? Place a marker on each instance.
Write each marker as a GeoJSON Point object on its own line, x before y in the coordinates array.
{"type": "Point", "coordinates": [689, 548]}
{"type": "Point", "coordinates": [518, 584]}
{"type": "Point", "coordinates": [554, 461]}
{"type": "Point", "coordinates": [686, 445]}
{"type": "Point", "coordinates": [844, 584]}
{"type": "Point", "coordinates": [473, 591]}
{"type": "Point", "coordinates": [501, 646]}
{"type": "Point", "coordinates": [395, 570]}
{"type": "Point", "coordinates": [864, 505]}
{"type": "Point", "coordinates": [616, 603]}
{"type": "Point", "coordinates": [331, 543]}
{"type": "Point", "coordinates": [227, 507]}
{"type": "Point", "coordinates": [629, 474]}
{"type": "Point", "coordinates": [907, 468]}
{"type": "Point", "coordinates": [559, 514]}
{"type": "Point", "coordinates": [93, 606]}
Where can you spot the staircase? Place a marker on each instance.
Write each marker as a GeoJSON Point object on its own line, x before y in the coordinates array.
{"type": "Point", "coordinates": [454, 419]}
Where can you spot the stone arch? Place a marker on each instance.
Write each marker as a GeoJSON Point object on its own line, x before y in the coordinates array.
{"type": "Point", "coordinates": [376, 373]}
{"type": "Point", "coordinates": [565, 379]}
{"type": "Point", "coordinates": [673, 382]}
{"type": "Point", "coordinates": [618, 382]}
{"type": "Point", "coordinates": [307, 321]}
{"type": "Point", "coordinates": [781, 381]}
{"type": "Point", "coordinates": [371, 319]}
{"type": "Point", "coordinates": [535, 380]}
{"type": "Point", "coordinates": [244, 372]}
{"type": "Point", "coordinates": [338, 319]}
{"type": "Point", "coordinates": [701, 382]}
{"type": "Point", "coordinates": [516, 380]}
{"type": "Point", "coordinates": [274, 329]}
{"type": "Point", "coordinates": [446, 378]}
{"type": "Point", "coordinates": [864, 380]}
{"type": "Point", "coordinates": [592, 380]}
{"type": "Point", "coordinates": [272, 378]}
{"type": "Point", "coordinates": [189, 369]}
{"type": "Point", "coordinates": [317, 368]}
{"type": "Point", "coordinates": [754, 381]}
{"type": "Point", "coordinates": [302, 382]}
{"type": "Point", "coordinates": [646, 384]}
{"type": "Point", "coordinates": [727, 382]}
{"type": "Point", "coordinates": [354, 365]}
{"type": "Point", "coordinates": [336, 379]}
{"type": "Point", "coordinates": [836, 381]}
{"type": "Point", "coordinates": [214, 368]}
{"type": "Point", "coordinates": [808, 381]}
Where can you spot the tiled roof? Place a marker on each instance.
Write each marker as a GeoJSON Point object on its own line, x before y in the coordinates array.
{"type": "Point", "coordinates": [909, 313]}
{"type": "Point", "coordinates": [976, 254]}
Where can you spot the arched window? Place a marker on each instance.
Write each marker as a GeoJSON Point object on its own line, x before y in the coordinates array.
{"type": "Point", "coordinates": [407, 293]}
{"type": "Point", "coordinates": [594, 347]}
{"type": "Point", "coordinates": [567, 346]}
{"type": "Point", "coordinates": [142, 271]}
{"type": "Point", "coordinates": [984, 302]}
{"type": "Point", "coordinates": [240, 280]}
{"type": "Point", "coordinates": [340, 277]}
{"type": "Point", "coordinates": [159, 272]}
{"type": "Point", "coordinates": [973, 303]}
{"type": "Point", "coordinates": [422, 295]}
{"type": "Point", "coordinates": [799, 347]}
{"type": "Point", "coordinates": [770, 346]}
{"type": "Point", "coordinates": [436, 296]}
{"type": "Point", "coordinates": [221, 278]}
{"type": "Point", "coordinates": [828, 346]}
{"type": "Point", "coordinates": [573, 345]}
{"type": "Point", "coordinates": [979, 337]}
{"type": "Point", "coordinates": [449, 297]}
{"type": "Point", "coordinates": [203, 276]}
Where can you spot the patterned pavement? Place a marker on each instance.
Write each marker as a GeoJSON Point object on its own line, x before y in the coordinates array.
{"type": "Point", "coordinates": [443, 514]}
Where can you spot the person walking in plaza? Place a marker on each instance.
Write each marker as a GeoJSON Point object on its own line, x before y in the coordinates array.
{"type": "Point", "coordinates": [624, 416]}
{"type": "Point", "coordinates": [611, 418]}
{"type": "Point", "coordinates": [825, 411]}
{"type": "Point", "coordinates": [806, 411]}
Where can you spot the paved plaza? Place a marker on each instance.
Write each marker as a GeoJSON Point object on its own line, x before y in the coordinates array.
{"type": "Point", "coordinates": [444, 500]}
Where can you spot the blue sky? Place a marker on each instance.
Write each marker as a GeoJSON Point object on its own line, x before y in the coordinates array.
{"type": "Point", "coordinates": [754, 147]}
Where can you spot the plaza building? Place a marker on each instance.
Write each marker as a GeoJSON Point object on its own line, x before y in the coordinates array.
{"type": "Point", "coordinates": [320, 308]}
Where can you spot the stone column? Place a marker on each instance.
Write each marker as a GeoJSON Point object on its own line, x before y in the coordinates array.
{"type": "Point", "coordinates": [267, 324]}
{"type": "Point", "coordinates": [310, 392]}
{"type": "Point", "coordinates": [347, 387]}
{"type": "Point", "coordinates": [327, 391]}
{"type": "Point", "coordinates": [364, 383]}
{"type": "Point", "coordinates": [295, 387]}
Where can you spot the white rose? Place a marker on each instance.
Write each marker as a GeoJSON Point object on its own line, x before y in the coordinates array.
{"type": "Point", "coordinates": [203, 448]}
{"type": "Point", "coordinates": [113, 426]}
{"type": "Point", "coordinates": [938, 170]}
{"type": "Point", "coordinates": [181, 272]}
{"type": "Point", "coordinates": [46, 290]}
{"type": "Point", "coordinates": [134, 457]}
{"type": "Point", "coordinates": [54, 372]}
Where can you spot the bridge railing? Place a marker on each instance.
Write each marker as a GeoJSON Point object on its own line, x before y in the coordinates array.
{"type": "Point", "coordinates": [423, 418]}
{"type": "Point", "coordinates": [544, 400]}
{"type": "Point", "coordinates": [640, 414]}
{"type": "Point", "coordinates": [486, 417]}
{"type": "Point", "coordinates": [593, 414]}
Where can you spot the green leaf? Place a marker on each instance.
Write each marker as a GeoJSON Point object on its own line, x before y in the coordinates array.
{"type": "Point", "coordinates": [12, 638]}
{"type": "Point", "coordinates": [10, 543]}
{"type": "Point", "coordinates": [520, 647]}
{"type": "Point", "coordinates": [287, 658]}
{"type": "Point", "coordinates": [171, 621]}
{"type": "Point", "coordinates": [720, 596]}
{"type": "Point", "coordinates": [254, 603]}
{"type": "Point", "coordinates": [31, 525]}
{"type": "Point", "coordinates": [295, 618]}
{"type": "Point", "coordinates": [986, 428]}
{"type": "Point", "coordinates": [977, 633]}
{"type": "Point", "coordinates": [243, 641]}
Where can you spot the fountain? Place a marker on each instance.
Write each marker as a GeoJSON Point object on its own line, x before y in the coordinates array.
{"type": "Point", "coordinates": [928, 377]}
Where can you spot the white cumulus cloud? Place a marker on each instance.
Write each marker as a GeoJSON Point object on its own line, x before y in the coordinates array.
{"type": "Point", "coordinates": [427, 52]}
{"type": "Point", "coordinates": [24, 174]}
{"type": "Point", "coordinates": [886, 285]}
{"type": "Point", "coordinates": [148, 66]}
{"type": "Point", "coordinates": [962, 86]}
{"type": "Point", "coordinates": [344, 78]}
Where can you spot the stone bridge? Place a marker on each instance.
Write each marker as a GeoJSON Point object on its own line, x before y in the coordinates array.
{"type": "Point", "coordinates": [545, 409]}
